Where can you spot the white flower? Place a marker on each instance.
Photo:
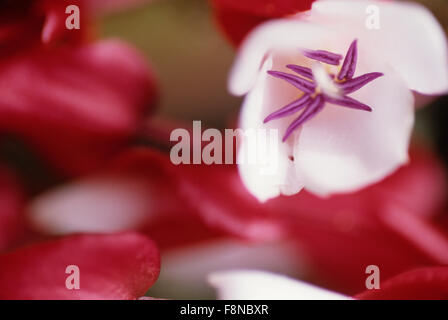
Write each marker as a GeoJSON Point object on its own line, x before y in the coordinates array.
{"type": "Point", "coordinates": [333, 148]}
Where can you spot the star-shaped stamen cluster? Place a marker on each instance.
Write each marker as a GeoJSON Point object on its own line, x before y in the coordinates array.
{"type": "Point", "coordinates": [314, 99]}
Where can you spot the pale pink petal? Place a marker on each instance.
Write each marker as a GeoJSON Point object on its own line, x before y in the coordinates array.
{"type": "Point", "coordinates": [409, 38]}
{"type": "Point", "coordinates": [94, 205]}
{"type": "Point", "coordinates": [257, 285]}
{"type": "Point", "coordinates": [272, 172]}
{"type": "Point", "coordinates": [343, 149]}
{"type": "Point", "coordinates": [278, 36]}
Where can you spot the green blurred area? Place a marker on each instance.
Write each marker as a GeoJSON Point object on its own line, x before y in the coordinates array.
{"type": "Point", "coordinates": [190, 57]}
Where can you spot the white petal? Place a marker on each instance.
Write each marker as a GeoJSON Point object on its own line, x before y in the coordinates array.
{"type": "Point", "coordinates": [279, 35]}
{"type": "Point", "coordinates": [271, 172]}
{"type": "Point", "coordinates": [97, 205]}
{"type": "Point", "coordinates": [257, 285]}
{"type": "Point", "coordinates": [409, 38]}
{"type": "Point", "coordinates": [185, 270]}
{"type": "Point", "coordinates": [343, 149]}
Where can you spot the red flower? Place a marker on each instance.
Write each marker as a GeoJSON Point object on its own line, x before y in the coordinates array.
{"type": "Point", "coordinates": [25, 24]}
{"type": "Point", "coordinates": [120, 266]}
{"type": "Point", "coordinates": [76, 103]}
{"type": "Point", "coordinates": [236, 18]}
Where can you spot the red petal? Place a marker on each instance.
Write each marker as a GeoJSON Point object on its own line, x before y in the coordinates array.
{"type": "Point", "coordinates": [76, 104]}
{"type": "Point", "coordinates": [236, 24]}
{"type": "Point", "coordinates": [342, 239]}
{"type": "Point", "coordinates": [54, 29]}
{"type": "Point", "coordinates": [220, 199]}
{"type": "Point", "coordinates": [419, 284]}
{"type": "Point", "coordinates": [265, 8]}
{"type": "Point", "coordinates": [174, 220]}
{"type": "Point", "coordinates": [238, 18]}
{"type": "Point", "coordinates": [11, 209]}
{"type": "Point", "coordinates": [419, 184]}
{"type": "Point", "coordinates": [120, 266]}
{"type": "Point", "coordinates": [28, 24]}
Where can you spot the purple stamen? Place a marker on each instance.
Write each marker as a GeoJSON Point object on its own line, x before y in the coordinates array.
{"type": "Point", "coordinates": [313, 108]}
{"type": "Point", "coordinates": [355, 84]}
{"type": "Point", "coordinates": [314, 100]}
{"type": "Point", "coordinates": [300, 83]}
{"type": "Point", "coordinates": [303, 71]}
{"type": "Point", "coordinates": [348, 102]}
{"type": "Point", "coordinates": [323, 56]}
{"type": "Point", "coordinates": [289, 109]}
{"type": "Point", "coordinates": [349, 66]}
